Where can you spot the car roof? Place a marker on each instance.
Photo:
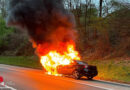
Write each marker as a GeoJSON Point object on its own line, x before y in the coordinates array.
{"type": "Point", "coordinates": [80, 62]}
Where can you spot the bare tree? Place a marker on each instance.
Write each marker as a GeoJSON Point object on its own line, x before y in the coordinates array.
{"type": "Point", "coordinates": [3, 7]}
{"type": "Point", "coordinates": [86, 10]}
{"type": "Point", "coordinates": [87, 6]}
{"type": "Point", "coordinates": [100, 8]}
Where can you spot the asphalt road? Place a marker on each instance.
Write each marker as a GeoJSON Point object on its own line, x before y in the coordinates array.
{"type": "Point", "coordinates": [18, 78]}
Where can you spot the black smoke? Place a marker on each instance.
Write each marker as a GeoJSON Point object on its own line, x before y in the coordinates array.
{"type": "Point", "coordinates": [41, 19]}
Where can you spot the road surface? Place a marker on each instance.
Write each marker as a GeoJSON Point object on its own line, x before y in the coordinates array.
{"type": "Point", "coordinates": [18, 78]}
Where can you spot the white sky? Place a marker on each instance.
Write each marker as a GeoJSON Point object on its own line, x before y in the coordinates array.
{"type": "Point", "coordinates": [97, 1]}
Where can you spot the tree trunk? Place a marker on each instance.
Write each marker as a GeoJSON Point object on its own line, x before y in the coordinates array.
{"type": "Point", "coordinates": [89, 18]}
{"type": "Point", "coordinates": [100, 8]}
{"type": "Point", "coordinates": [86, 11]}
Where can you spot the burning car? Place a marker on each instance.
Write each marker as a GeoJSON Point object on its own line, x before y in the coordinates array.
{"type": "Point", "coordinates": [78, 69]}
{"type": "Point", "coordinates": [67, 63]}
{"type": "Point", "coordinates": [52, 33]}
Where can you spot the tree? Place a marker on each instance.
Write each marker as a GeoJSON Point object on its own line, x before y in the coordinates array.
{"type": "Point", "coordinates": [3, 7]}
{"type": "Point", "coordinates": [100, 8]}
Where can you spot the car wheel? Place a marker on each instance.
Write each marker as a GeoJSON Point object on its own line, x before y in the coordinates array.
{"type": "Point", "coordinates": [76, 75]}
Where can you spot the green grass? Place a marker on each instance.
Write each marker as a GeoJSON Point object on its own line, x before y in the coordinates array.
{"type": "Point", "coordinates": [30, 62]}
{"type": "Point", "coordinates": [113, 70]}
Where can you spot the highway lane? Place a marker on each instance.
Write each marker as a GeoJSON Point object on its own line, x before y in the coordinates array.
{"type": "Point", "coordinates": [31, 79]}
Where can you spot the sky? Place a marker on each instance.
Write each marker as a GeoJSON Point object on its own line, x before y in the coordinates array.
{"type": "Point", "coordinates": [97, 1]}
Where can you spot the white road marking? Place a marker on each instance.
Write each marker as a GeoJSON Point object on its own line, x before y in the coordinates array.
{"type": "Point", "coordinates": [10, 87]}
{"type": "Point", "coordinates": [121, 84]}
{"type": "Point", "coordinates": [91, 85]}
{"type": "Point", "coordinates": [5, 87]}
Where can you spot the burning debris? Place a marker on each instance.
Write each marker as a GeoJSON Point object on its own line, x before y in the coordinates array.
{"type": "Point", "coordinates": [50, 27]}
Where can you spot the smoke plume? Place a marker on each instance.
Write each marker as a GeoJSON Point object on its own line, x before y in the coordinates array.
{"type": "Point", "coordinates": [46, 21]}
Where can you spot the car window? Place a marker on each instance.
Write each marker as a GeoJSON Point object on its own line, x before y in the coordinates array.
{"type": "Point", "coordinates": [83, 63]}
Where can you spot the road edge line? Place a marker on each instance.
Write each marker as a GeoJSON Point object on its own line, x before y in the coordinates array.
{"type": "Point", "coordinates": [121, 84]}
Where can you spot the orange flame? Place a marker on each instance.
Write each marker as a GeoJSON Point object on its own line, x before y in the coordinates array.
{"type": "Point", "coordinates": [51, 60]}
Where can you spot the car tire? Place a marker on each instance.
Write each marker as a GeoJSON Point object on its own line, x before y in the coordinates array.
{"type": "Point", "coordinates": [76, 75]}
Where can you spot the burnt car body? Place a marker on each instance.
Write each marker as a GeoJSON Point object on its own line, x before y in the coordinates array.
{"type": "Point", "coordinates": [77, 69]}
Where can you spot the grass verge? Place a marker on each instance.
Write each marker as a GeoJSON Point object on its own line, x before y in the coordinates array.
{"type": "Point", "coordinates": [30, 61]}
{"type": "Point", "coordinates": [112, 70]}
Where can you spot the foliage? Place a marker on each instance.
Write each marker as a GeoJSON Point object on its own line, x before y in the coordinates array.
{"type": "Point", "coordinates": [13, 42]}
{"type": "Point", "coordinates": [4, 31]}
{"type": "Point", "coordinates": [103, 37]}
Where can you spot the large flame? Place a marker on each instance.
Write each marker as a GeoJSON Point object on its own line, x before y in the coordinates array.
{"type": "Point", "coordinates": [51, 60]}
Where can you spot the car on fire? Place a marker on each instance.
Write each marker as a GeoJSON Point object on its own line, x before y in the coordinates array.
{"type": "Point", "coordinates": [77, 69]}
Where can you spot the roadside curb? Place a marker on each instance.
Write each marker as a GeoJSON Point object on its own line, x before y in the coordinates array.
{"type": "Point", "coordinates": [20, 66]}
{"type": "Point", "coordinates": [115, 83]}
